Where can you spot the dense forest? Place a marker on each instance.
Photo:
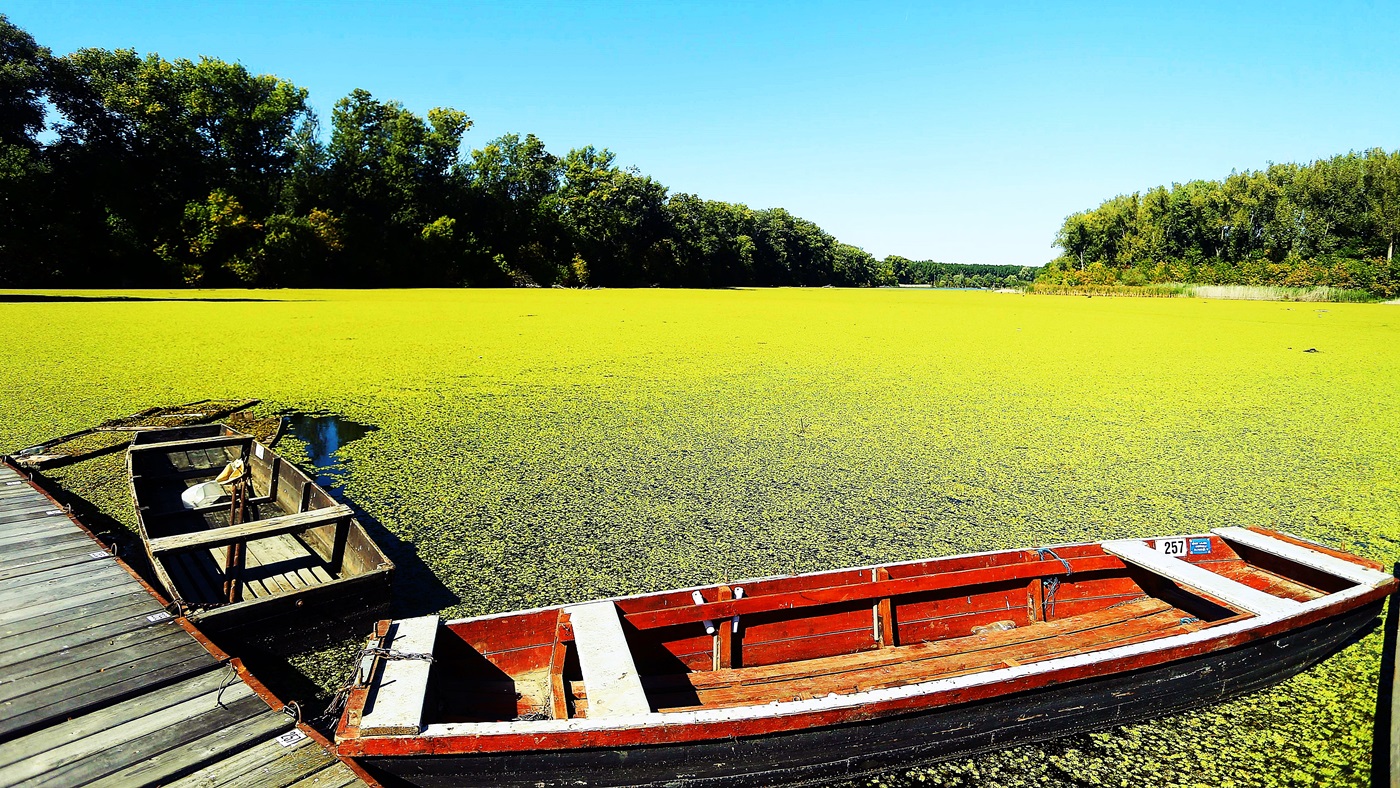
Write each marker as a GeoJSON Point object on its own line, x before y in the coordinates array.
{"type": "Point", "coordinates": [1333, 222]}
{"type": "Point", "coordinates": [123, 170]}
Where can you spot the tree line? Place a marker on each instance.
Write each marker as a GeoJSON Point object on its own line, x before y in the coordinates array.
{"type": "Point", "coordinates": [1333, 222]}
{"type": "Point", "coordinates": [121, 170]}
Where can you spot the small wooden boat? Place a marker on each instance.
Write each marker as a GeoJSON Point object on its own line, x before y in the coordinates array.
{"type": "Point", "coordinates": [267, 545]}
{"type": "Point", "coordinates": [839, 674]}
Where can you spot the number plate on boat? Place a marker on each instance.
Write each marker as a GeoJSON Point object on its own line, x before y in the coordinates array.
{"type": "Point", "coordinates": [1173, 547]}
{"type": "Point", "coordinates": [154, 617]}
{"type": "Point", "coordinates": [1199, 545]}
{"type": "Point", "coordinates": [290, 737]}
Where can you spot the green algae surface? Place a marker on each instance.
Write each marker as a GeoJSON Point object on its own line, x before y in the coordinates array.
{"type": "Point", "coordinates": [543, 446]}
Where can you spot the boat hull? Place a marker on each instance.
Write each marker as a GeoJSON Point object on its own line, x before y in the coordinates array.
{"type": "Point", "coordinates": [857, 749]}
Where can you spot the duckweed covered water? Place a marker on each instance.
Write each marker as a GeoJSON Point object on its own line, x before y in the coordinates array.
{"type": "Point", "coordinates": [536, 447]}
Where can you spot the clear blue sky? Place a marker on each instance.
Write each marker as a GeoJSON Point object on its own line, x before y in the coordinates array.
{"type": "Point", "coordinates": [962, 133]}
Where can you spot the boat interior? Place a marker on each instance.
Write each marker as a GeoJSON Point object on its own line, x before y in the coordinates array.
{"type": "Point", "coordinates": [324, 544]}
{"type": "Point", "coordinates": [846, 631]}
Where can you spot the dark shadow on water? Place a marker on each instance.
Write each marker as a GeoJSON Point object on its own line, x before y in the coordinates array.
{"type": "Point", "coordinates": [21, 298]}
{"type": "Point", "coordinates": [417, 591]}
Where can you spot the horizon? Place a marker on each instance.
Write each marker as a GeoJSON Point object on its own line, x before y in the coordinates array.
{"type": "Point", "coordinates": [1017, 117]}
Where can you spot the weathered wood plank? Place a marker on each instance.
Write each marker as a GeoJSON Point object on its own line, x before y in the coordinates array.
{"type": "Point", "coordinates": [78, 760]}
{"type": "Point", "coordinates": [334, 776]}
{"type": "Point", "coordinates": [66, 635]}
{"type": "Point", "coordinates": [50, 560]}
{"type": "Point", "coordinates": [11, 558]}
{"type": "Point", "coordinates": [93, 567]}
{"type": "Point", "coordinates": [89, 661]}
{"type": "Point", "coordinates": [395, 706]}
{"type": "Point", "coordinates": [606, 660]}
{"type": "Point", "coordinates": [257, 529]}
{"type": "Point", "coordinates": [106, 589]}
{"type": "Point", "coordinates": [169, 750]}
{"type": "Point", "coordinates": [92, 692]}
{"type": "Point", "coordinates": [191, 445]}
{"type": "Point", "coordinates": [268, 763]}
{"type": "Point", "coordinates": [207, 681]}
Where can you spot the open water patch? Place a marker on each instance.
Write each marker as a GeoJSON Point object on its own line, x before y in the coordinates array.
{"type": "Point", "coordinates": [324, 434]}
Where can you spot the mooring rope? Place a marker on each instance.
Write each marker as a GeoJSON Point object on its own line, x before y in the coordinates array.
{"type": "Point", "coordinates": [1052, 584]}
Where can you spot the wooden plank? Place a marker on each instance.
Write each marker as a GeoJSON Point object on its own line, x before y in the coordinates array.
{"type": "Point", "coordinates": [96, 690]}
{"type": "Point", "coordinates": [724, 635]}
{"type": "Point", "coordinates": [257, 529]}
{"type": "Point", "coordinates": [192, 445]}
{"type": "Point", "coordinates": [603, 654]}
{"type": "Point", "coordinates": [558, 699]}
{"type": "Point", "coordinates": [108, 623]}
{"type": "Point", "coordinates": [124, 711]}
{"type": "Point", "coordinates": [11, 558]}
{"type": "Point", "coordinates": [73, 610]}
{"type": "Point", "coordinates": [395, 704]}
{"type": "Point", "coordinates": [82, 752]}
{"type": "Point", "coordinates": [94, 567]}
{"type": "Point", "coordinates": [1179, 571]}
{"type": "Point", "coordinates": [268, 763]}
{"type": "Point", "coordinates": [13, 619]}
{"type": "Point", "coordinates": [89, 661]}
{"type": "Point", "coordinates": [1301, 555]}
{"type": "Point", "coordinates": [334, 776]}
{"type": "Point", "coordinates": [227, 740]}
{"type": "Point", "coordinates": [52, 559]}
{"type": "Point", "coordinates": [884, 613]}
{"type": "Point", "coordinates": [823, 666]}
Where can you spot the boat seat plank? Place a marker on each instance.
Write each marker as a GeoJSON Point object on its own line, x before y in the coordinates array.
{"type": "Point", "coordinates": [1223, 588]}
{"type": "Point", "coordinates": [190, 446]}
{"type": "Point", "coordinates": [606, 661]}
{"type": "Point", "coordinates": [396, 705]}
{"type": "Point", "coordinates": [1298, 554]}
{"type": "Point", "coordinates": [256, 529]}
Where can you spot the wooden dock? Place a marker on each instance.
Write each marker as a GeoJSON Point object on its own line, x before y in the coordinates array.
{"type": "Point", "coordinates": [101, 685]}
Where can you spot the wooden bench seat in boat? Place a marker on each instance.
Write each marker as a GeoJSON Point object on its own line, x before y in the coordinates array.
{"type": "Point", "coordinates": [396, 707]}
{"type": "Point", "coordinates": [1229, 591]}
{"type": "Point", "coordinates": [606, 660]}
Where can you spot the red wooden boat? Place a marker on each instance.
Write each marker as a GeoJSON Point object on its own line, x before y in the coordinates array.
{"type": "Point", "coordinates": [839, 674]}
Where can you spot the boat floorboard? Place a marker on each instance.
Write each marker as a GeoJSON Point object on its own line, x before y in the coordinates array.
{"type": "Point", "coordinates": [100, 686]}
{"type": "Point", "coordinates": [1132, 621]}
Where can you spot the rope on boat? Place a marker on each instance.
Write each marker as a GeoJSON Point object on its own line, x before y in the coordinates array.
{"type": "Point", "coordinates": [1052, 584]}
{"type": "Point", "coordinates": [228, 681]}
{"type": "Point", "coordinates": [342, 696]}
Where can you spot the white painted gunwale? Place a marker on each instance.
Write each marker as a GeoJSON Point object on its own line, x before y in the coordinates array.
{"type": "Point", "coordinates": [835, 702]}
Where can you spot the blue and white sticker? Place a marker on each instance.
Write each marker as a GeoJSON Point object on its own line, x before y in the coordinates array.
{"type": "Point", "coordinates": [1199, 545]}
